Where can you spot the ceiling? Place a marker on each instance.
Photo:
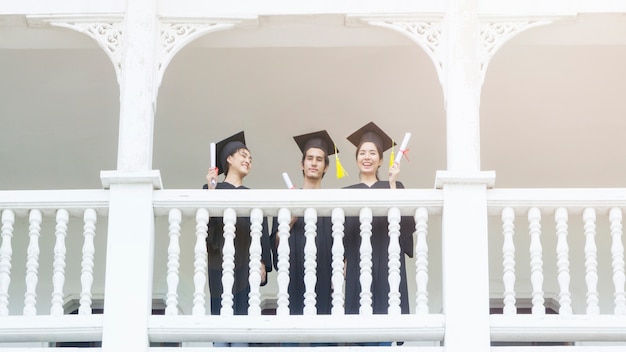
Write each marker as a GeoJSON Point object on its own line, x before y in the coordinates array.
{"type": "Point", "coordinates": [552, 106]}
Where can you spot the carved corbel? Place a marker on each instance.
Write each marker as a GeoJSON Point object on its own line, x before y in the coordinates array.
{"type": "Point", "coordinates": [496, 31]}
{"type": "Point", "coordinates": [425, 30]}
{"type": "Point", "coordinates": [105, 30]}
{"type": "Point", "coordinates": [176, 33]}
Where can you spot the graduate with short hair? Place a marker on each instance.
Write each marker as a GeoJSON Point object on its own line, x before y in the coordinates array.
{"type": "Point", "coordinates": [315, 148]}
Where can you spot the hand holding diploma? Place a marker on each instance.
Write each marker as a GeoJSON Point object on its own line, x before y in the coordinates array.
{"type": "Point", "coordinates": [212, 175]}
{"type": "Point", "coordinates": [394, 169]}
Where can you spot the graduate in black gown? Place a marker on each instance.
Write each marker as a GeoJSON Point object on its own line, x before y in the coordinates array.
{"type": "Point", "coordinates": [235, 161]}
{"type": "Point", "coordinates": [371, 142]}
{"type": "Point", "coordinates": [315, 147]}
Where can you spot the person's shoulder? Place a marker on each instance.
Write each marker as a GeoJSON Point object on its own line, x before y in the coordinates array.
{"type": "Point", "coordinates": [226, 185]}
{"type": "Point", "coordinates": [385, 184]}
{"type": "Point", "coordinates": [357, 185]}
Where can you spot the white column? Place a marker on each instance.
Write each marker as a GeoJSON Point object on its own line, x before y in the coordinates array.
{"type": "Point", "coordinates": [138, 86]}
{"type": "Point", "coordinates": [129, 267]}
{"type": "Point", "coordinates": [465, 268]}
{"type": "Point", "coordinates": [464, 220]}
{"type": "Point", "coordinates": [130, 238]}
{"type": "Point", "coordinates": [462, 85]}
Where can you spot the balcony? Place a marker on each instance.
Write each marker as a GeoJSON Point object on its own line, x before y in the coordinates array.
{"type": "Point", "coordinates": [549, 250]}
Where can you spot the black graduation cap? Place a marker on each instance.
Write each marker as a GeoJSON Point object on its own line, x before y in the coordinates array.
{"type": "Point", "coordinates": [226, 147]}
{"type": "Point", "coordinates": [371, 133]}
{"type": "Point", "coordinates": [319, 139]}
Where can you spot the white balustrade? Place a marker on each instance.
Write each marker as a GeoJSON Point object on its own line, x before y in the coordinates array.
{"type": "Point", "coordinates": [87, 265]}
{"type": "Point", "coordinates": [58, 271]}
{"type": "Point", "coordinates": [284, 217]}
{"type": "Point", "coordinates": [310, 263]}
{"type": "Point", "coordinates": [6, 251]}
{"type": "Point", "coordinates": [591, 261]}
{"type": "Point", "coordinates": [421, 261]}
{"type": "Point", "coordinates": [228, 262]}
{"type": "Point", "coordinates": [338, 252]}
{"type": "Point", "coordinates": [562, 256]}
{"type": "Point", "coordinates": [200, 262]}
{"type": "Point", "coordinates": [256, 229]}
{"type": "Point", "coordinates": [393, 251]}
{"type": "Point", "coordinates": [173, 262]}
{"type": "Point", "coordinates": [32, 262]}
{"type": "Point", "coordinates": [617, 255]}
{"type": "Point", "coordinates": [508, 262]}
{"type": "Point", "coordinates": [365, 250]}
{"type": "Point", "coordinates": [536, 261]}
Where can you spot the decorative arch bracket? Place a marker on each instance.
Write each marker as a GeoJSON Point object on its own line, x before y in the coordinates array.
{"type": "Point", "coordinates": [424, 29]}
{"type": "Point", "coordinates": [176, 33]}
{"type": "Point", "coordinates": [105, 30]}
{"type": "Point", "coordinates": [495, 31]}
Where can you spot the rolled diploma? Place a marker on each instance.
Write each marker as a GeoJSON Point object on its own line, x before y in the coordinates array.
{"type": "Point", "coordinates": [287, 180]}
{"type": "Point", "coordinates": [212, 155]}
{"type": "Point", "coordinates": [405, 142]}
{"type": "Point", "coordinates": [213, 161]}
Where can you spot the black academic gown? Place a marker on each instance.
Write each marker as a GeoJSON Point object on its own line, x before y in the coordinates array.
{"type": "Point", "coordinates": [215, 243]}
{"type": "Point", "coordinates": [380, 259]}
{"type": "Point", "coordinates": [297, 240]}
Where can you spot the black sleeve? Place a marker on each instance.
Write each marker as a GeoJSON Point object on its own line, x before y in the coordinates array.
{"type": "Point", "coordinates": [266, 249]}
{"type": "Point", "coordinates": [273, 239]}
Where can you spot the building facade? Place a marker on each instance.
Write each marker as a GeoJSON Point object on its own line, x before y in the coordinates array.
{"type": "Point", "coordinates": [514, 179]}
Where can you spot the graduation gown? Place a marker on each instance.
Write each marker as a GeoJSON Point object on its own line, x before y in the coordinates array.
{"type": "Point", "coordinates": [380, 259]}
{"type": "Point", "coordinates": [215, 243]}
{"type": "Point", "coordinates": [297, 241]}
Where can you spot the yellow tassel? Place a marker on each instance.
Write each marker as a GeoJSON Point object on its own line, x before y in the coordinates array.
{"type": "Point", "coordinates": [392, 157]}
{"type": "Point", "coordinates": [341, 172]}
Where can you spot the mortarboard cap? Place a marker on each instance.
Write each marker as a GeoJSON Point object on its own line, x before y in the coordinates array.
{"type": "Point", "coordinates": [226, 147]}
{"type": "Point", "coordinates": [371, 133]}
{"type": "Point", "coordinates": [319, 139]}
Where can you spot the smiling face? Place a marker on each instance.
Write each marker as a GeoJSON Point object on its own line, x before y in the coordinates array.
{"type": "Point", "coordinates": [368, 159]}
{"type": "Point", "coordinates": [240, 162]}
{"type": "Point", "coordinates": [314, 163]}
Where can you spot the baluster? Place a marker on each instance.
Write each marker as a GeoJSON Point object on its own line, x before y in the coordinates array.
{"type": "Point", "coordinates": [617, 253]}
{"type": "Point", "coordinates": [365, 250]}
{"type": "Point", "coordinates": [421, 261]}
{"type": "Point", "coordinates": [89, 250]}
{"type": "Point", "coordinates": [536, 261]}
{"type": "Point", "coordinates": [562, 262]}
{"type": "Point", "coordinates": [173, 262]}
{"type": "Point", "coordinates": [200, 262]}
{"type": "Point", "coordinates": [338, 219]}
{"type": "Point", "coordinates": [508, 261]}
{"type": "Point", "coordinates": [256, 227]}
{"type": "Point", "coordinates": [32, 262]}
{"type": "Point", "coordinates": [591, 262]}
{"type": "Point", "coordinates": [228, 262]}
{"type": "Point", "coordinates": [393, 252]}
{"type": "Point", "coordinates": [284, 217]}
{"type": "Point", "coordinates": [310, 264]}
{"type": "Point", "coordinates": [58, 274]}
{"type": "Point", "coordinates": [6, 251]}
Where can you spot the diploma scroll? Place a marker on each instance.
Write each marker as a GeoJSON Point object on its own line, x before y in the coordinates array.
{"type": "Point", "coordinates": [287, 180]}
{"type": "Point", "coordinates": [402, 149]}
{"type": "Point", "coordinates": [213, 161]}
